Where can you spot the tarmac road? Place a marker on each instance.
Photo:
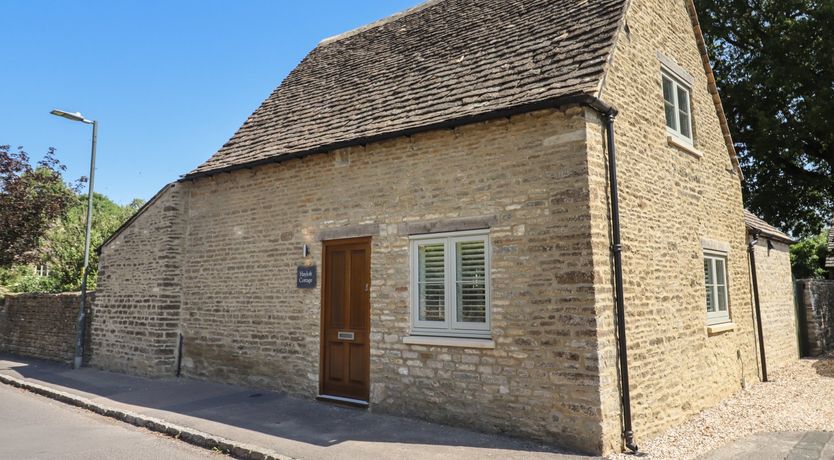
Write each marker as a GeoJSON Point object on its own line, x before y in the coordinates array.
{"type": "Point", "coordinates": [34, 427]}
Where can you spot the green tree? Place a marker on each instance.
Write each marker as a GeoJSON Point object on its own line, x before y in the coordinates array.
{"type": "Point", "coordinates": [808, 256]}
{"type": "Point", "coordinates": [774, 67]}
{"type": "Point", "coordinates": [64, 242]}
{"type": "Point", "coordinates": [31, 198]}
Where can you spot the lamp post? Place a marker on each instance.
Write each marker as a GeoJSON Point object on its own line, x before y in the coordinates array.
{"type": "Point", "coordinates": [81, 320]}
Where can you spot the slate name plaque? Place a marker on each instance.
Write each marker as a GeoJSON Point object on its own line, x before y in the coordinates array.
{"type": "Point", "coordinates": [306, 277]}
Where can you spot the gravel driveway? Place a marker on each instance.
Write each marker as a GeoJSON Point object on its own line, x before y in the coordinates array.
{"type": "Point", "coordinates": [799, 397]}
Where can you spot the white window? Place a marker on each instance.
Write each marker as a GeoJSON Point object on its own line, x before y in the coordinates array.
{"type": "Point", "coordinates": [715, 280]}
{"type": "Point", "coordinates": [450, 284]}
{"type": "Point", "coordinates": [676, 97]}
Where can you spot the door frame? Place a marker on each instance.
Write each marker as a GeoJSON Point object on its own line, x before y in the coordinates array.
{"type": "Point", "coordinates": [325, 244]}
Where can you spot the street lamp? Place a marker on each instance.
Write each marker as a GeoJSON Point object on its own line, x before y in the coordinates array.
{"type": "Point", "coordinates": [81, 321]}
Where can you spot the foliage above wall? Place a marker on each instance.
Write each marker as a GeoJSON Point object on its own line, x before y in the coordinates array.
{"type": "Point", "coordinates": [43, 221]}
{"type": "Point", "coordinates": [64, 242]}
{"type": "Point", "coordinates": [808, 257]}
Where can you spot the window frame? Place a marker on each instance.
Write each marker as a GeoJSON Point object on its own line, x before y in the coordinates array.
{"type": "Point", "coordinates": [677, 86]}
{"type": "Point", "coordinates": [450, 327]}
{"type": "Point", "coordinates": [718, 316]}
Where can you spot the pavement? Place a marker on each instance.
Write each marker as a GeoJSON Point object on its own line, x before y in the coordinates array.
{"type": "Point", "coordinates": [33, 427]}
{"type": "Point", "coordinates": [260, 424]}
{"type": "Point", "coordinates": [810, 445]}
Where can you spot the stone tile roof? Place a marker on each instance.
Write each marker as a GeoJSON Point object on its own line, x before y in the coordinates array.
{"type": "Point", "coordinates": [754, 222]}
{"type": "Point", "coordinates": [444, 60]}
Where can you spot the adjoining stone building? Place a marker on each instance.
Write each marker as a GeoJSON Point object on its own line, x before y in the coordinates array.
{"type": "Point", "coordinates": [419, 219]}
{"type": "Point", "coordinates": [776, 291]}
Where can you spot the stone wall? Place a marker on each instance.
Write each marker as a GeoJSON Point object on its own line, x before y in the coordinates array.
{"type": "Point", "coordinates": [41, 325]}
{"type": "Point", "coordinates": [244, 321]}
{"type": "Point", "coordinates": [776, 296]}
{"type": "Point", "coordinates": [672, 198]}
{"type": "Point", "coordinates": [816, 300]}
{"type": "Point", "coordinates": [136, 323]}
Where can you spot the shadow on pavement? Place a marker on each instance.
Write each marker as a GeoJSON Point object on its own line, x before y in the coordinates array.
{"type": "Point", "coordinates": [276, 414]}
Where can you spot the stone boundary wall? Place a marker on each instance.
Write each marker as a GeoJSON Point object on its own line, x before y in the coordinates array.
{"type": "Point", "coordinates": [41, 325]}
{"type": "Point", "coordinates": [779, 312]}
{"type": "Point", "coordinates": [816, 299]}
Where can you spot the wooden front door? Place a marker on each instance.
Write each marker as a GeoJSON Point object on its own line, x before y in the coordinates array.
{"type": "Point", "coordinates": [346, 308]}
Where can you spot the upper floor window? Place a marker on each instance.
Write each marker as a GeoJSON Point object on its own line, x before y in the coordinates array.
{"type": "Point", "coordinates": [715, 281]}
{"type": "Point", "coordinates": [450, 284]}
{"type": "Point", "coordinates": [676, 98]}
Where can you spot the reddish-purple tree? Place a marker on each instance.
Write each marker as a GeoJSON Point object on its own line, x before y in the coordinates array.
{"type": "Point", "coordinates": [31, 199]}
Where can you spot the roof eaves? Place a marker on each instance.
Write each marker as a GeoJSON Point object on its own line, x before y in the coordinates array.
{"type": "Point", "coordinates": [778, 236]}
{"type": "Point", "coordinates": [759, 226]}
{"type": "Point", "coordinates": [557, 102]}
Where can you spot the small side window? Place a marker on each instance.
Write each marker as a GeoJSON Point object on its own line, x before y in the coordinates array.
{"type": "Point", "coordinates": [715, 282]}
{"type": "Point", "coordinates": [677, 107]}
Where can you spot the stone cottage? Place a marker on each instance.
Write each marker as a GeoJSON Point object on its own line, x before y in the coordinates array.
{"type": "Point", "coordinates": [423, 219]}
{"type": "Point", "coordinates": [776, 290]}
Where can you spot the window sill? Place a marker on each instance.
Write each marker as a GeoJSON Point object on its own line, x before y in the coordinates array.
{"type": "Point", "coordinates": [716, 329]}
{"type": "Point", "coordinates": [681, 145]}
{"type": "Point", "coordinates": [449, 342]}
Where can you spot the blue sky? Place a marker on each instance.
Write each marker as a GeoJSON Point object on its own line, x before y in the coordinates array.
{"type": "Point", "coordinates": [169, 81]}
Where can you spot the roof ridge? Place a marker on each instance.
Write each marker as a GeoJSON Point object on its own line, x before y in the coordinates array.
{"type": "Point", "coordinates": [379, 22]}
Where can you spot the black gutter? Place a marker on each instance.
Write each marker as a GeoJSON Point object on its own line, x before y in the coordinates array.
{"type": "Point", "coordinates": [556, 102]}
{"type": "Point", "coordinates": [751, 249]}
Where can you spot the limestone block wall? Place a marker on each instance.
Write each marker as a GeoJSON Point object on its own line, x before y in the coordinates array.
{"type": "Point", "coordinates": [136, 319]}
{"type": "Point", "coordinates": [245, 322]}
{"type": "Point", "coordinates": [671, 199]}
{"type": "Point", "coordinates": [776, 296]}
{"type": "Point", "coordinates": [41, 325]}
{"type": "Point", "coordinates": [816, 298]}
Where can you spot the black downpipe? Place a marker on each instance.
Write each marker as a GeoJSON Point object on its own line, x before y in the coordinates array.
{"type": "Point", "coordinates": [617, 249]}
{"type": "Point", "coordinates": [751, 249]}
{"type": "Point", "coordinates": [179, 355]}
